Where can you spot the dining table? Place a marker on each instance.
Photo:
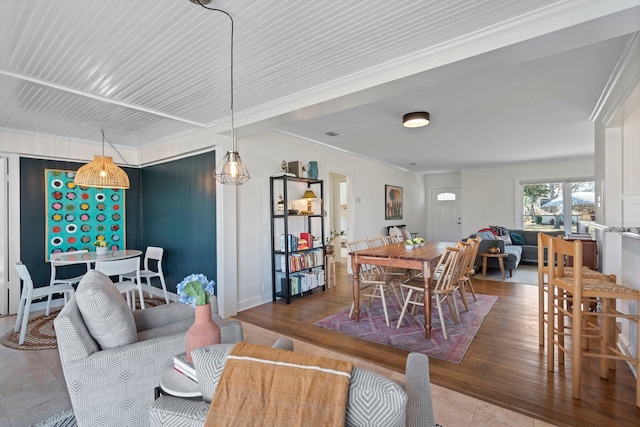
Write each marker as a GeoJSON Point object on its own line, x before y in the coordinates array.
{"type": "Point", "coordinates": [92, 257]}
{"type": "Point", "coordinates": [396, 255]}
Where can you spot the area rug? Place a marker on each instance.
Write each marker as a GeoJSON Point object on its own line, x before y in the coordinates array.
{"type": "Point", "coordinates": [61, 419]}
{"type": "Point", "coordinates": [40, 334]}
{"type": "Point", "coordinates": [526, 274]}
{"type": "Point", "coordinates": [410, 336]}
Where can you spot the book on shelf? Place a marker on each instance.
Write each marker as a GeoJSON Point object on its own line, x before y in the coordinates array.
{"type": "Point", "coordinates": [181, 365]}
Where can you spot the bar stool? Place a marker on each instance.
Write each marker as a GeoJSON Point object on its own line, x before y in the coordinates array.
{"type": "Point", "coordinates": [330, 265]}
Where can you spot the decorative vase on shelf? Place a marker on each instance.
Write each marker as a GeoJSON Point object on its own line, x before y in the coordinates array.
{"type": "Point", "coordinates": [203, 332]}
{"type": "Point", "coordinates": [101, 250]}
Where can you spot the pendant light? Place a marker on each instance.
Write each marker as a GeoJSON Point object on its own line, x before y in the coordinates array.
{"type": "Point", "coordinates": [230, 170]}
{"type": "Point", "coordinates": [101, 172]}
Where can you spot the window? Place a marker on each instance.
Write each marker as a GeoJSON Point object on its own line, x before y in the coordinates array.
{"type": "Point", "coordinates": [446, 197]}
{"type": "Point", "coordinates": [544, 204]}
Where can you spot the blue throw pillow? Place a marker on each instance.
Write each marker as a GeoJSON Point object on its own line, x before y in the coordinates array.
{"type": "Point", "coordinates": [517, 239]}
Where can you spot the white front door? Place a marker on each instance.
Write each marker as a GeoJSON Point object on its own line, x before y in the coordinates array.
{"type": "Point", "coordinates": [446, 214]}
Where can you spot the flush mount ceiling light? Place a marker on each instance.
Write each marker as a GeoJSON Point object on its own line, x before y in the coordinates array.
{"type": "Point", "coordinates": [102, 172]}
{"type": "Point", "coordinates": [230, 170]}
{"type": "Point", "coordinates": [416, 119]}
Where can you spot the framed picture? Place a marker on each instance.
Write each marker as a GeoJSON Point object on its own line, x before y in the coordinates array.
{"type": "Point", "coordinates": [392, 202]}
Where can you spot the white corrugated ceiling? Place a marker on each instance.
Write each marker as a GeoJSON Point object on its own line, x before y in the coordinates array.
{"type": "Point", "coordinates": [147, 71]}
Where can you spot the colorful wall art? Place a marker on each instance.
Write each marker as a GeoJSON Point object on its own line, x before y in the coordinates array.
{"type": "Point", "coordinates": [77, 216]}
{"type": "Point", "coordinates": [392, 202]}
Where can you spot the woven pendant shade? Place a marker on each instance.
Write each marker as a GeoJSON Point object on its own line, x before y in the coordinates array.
{"type": "Point", "coordinates": [231, 170]}
{"type": "Point", "coordinates": [101, 173]}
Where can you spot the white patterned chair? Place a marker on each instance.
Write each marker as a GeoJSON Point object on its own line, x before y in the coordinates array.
{"type": "Point", "coordinates": [112, 358]}
{"type": "Point", "coordinates": [374, 400]}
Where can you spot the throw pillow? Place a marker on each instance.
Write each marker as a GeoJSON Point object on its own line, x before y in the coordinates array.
{"type": "Point", "coordinates": [104, 311]}
{"type": "Point", "coordinates": [507, 239]}
{"type": "Point", "coordinates": [406, 234]}
{"type": "Point", "coordinates": [500, 231]}
{"type": "Point", "coordinates": [517, 239]}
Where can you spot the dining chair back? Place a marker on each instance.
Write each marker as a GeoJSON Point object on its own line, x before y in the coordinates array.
{"type": "Point", "coordinates": [374, 282]}
{"type": "Point", "coordinates": [378, 241]}
{"type": "Point", "coordinates": [442, 287]}
{"type": "Point", "coordinates": [153, 254]}
{"type": "Point", "coordinates": [70, 280]}
{"type": "Point", "coordinates": [30, 293]}
{"type": "Point", "coordinates": [126, 286]}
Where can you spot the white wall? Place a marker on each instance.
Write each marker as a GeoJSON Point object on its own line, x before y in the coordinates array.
{"type": "Point", "coordinates": [263, 154]}
{"type": "Point", "coordinates": [490, 194]}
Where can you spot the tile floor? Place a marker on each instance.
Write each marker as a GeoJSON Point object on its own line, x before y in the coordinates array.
{"type": "Point", "coordinates": [32, 387]}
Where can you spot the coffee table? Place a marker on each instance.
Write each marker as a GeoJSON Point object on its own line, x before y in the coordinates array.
{"type": "Point", "coordinates": [486, 256]}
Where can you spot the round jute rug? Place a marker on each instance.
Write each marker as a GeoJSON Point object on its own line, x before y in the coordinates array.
{"type": "Point", "coordinates": [40, 334]}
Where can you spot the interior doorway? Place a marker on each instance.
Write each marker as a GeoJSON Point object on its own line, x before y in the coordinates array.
{"type": "Point", "coordinates": [4, 242]}
{"type": "Point", "coordinates": [339, 212]}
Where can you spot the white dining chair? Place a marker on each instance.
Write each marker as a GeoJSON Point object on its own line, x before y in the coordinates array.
{"type": "Point", "coordinates": [125, 286]}
{"type": "Point", "coordinates": [54, 280]}
{"type": "Point", "coordinates": [30, 293]}
{"type": "Point", "coordinates": [153, 253]}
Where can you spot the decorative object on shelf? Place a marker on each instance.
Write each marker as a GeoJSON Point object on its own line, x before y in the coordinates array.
{"type": "Point", "coordinates": [284, 166]}
{"type": "Point", "coordinates": [102, 172]}
{"type": "Point", "coordinates": [295, 168]}
{"type": "Point", "coordinates": [280, 203]}
{"type": "Point", "coordinates": [329, 242]}
{"type": "Point", "coordinates": [392, 202]}
{"type": "Point", "coordinates": [309, 196]}
{"type": "Point", "coordinates": [493, 247]}
{"type": "Point", "coordinates": [312, 167]}
{"type": "Point", "coordinates": [196, 289]}
{"type": "Point", "coordinates": [231, 169]}
{"type": "Point", "coordinates": [416, 119]}
{"type": "Point", "coordinates": [101, 246]}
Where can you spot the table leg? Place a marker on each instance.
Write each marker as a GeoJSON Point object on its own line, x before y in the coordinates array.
{"type": "Point", "coordinates": [355, 266]}
{"type": "Point", "coordinates": [484, 266]}
{"type": "Point", "coordinates": [501, 262]}
{"type": "Point", "coordinates": [426, 274]}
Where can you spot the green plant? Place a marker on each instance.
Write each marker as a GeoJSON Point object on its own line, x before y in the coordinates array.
{"type": "Point", "coordinates": [100, 243]}
{"type": "Point", "coordinates": [493, 243]}
{"type": "Point", "coordinates": [332, 235]}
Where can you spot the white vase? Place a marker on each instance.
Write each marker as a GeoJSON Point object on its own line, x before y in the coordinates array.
{"type": "Point", "coordinates": [101, 250]}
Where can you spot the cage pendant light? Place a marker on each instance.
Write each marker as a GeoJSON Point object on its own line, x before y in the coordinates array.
{"type": "Point", "coordinates": [230, 170]}
{"type": "Point", "coordinates": [101, 173]}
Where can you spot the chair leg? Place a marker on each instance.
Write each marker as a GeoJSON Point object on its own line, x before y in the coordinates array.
{"type": "Point", "coordinates": [20, 313]}
{"type": "Point", "coordinates": [384, 304]}
{"type": "Point", "coordinates": [404, 307]}
{"type": "Point", "coordinates": [48, 310]}
{"type": "Point", "coordinates": [25, 320]}
{"type": "Point", "coordinates": [166, 294]}
{"type": "Point", "coordinates": [442, 325]}
{"type": "Point", "coordinates": [463, 296]}
{"type": "Point", "coordinates": [576, 351]}
{"type": "Point", "coordinates": [141, 295]}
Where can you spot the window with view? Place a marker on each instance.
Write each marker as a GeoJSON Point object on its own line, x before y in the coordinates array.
{"type": "Point", "coordinates": [557, 205]}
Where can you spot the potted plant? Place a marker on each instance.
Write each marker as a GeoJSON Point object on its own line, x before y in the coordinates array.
{"type": "Point", "coordinates": [493, 247]}
{"type": "Point", "coordinates": [329, 245]}
{"type": "Point", "coordinates": [101, 246]}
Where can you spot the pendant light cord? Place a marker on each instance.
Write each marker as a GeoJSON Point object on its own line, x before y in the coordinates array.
{"type": "Point", "coordinates": [233, 133]}
{"type": "Point", "coordinates": [104, 138]}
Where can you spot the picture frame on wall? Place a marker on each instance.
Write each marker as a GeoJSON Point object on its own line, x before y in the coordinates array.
{"type": "Point", "coordinates": [392, 202]}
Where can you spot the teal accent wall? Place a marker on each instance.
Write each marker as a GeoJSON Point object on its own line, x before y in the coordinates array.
{"type": "Point", "coordinates": [179, 215]}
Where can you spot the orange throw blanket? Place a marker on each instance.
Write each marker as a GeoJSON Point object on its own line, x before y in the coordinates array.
{"type": "Point", "coordinates": [262, 386]}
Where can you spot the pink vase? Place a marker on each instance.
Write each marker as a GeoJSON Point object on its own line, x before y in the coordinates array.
{"type": "Point", "coordinates": [204, 330]}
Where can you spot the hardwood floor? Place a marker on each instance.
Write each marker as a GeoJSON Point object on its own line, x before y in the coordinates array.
{"type": "Point", "coordinates": [504, 364]}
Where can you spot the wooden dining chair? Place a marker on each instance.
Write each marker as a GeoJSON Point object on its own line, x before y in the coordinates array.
{"type": "Point", "coordinates": [583, 291]}
{"type": "Point", "coordinates": [443, 286]}
{"type": "Point", "coordinates": [374, 282]}
{"type": "Point", "coordinates": [471, 271]}
{"type": "Point", "coordinates": [30, 293]}
{"type": "Point", "coordinates": [126, 286]}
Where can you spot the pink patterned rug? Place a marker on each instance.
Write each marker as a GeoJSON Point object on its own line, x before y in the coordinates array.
{"type": "Point", "coordinates": [410, 336]}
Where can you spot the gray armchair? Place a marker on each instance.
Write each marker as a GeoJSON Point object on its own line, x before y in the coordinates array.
{"type": "Point", "coordinates": [373, 399]}
{"type": "Point", "coordinates": [111, 374]}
